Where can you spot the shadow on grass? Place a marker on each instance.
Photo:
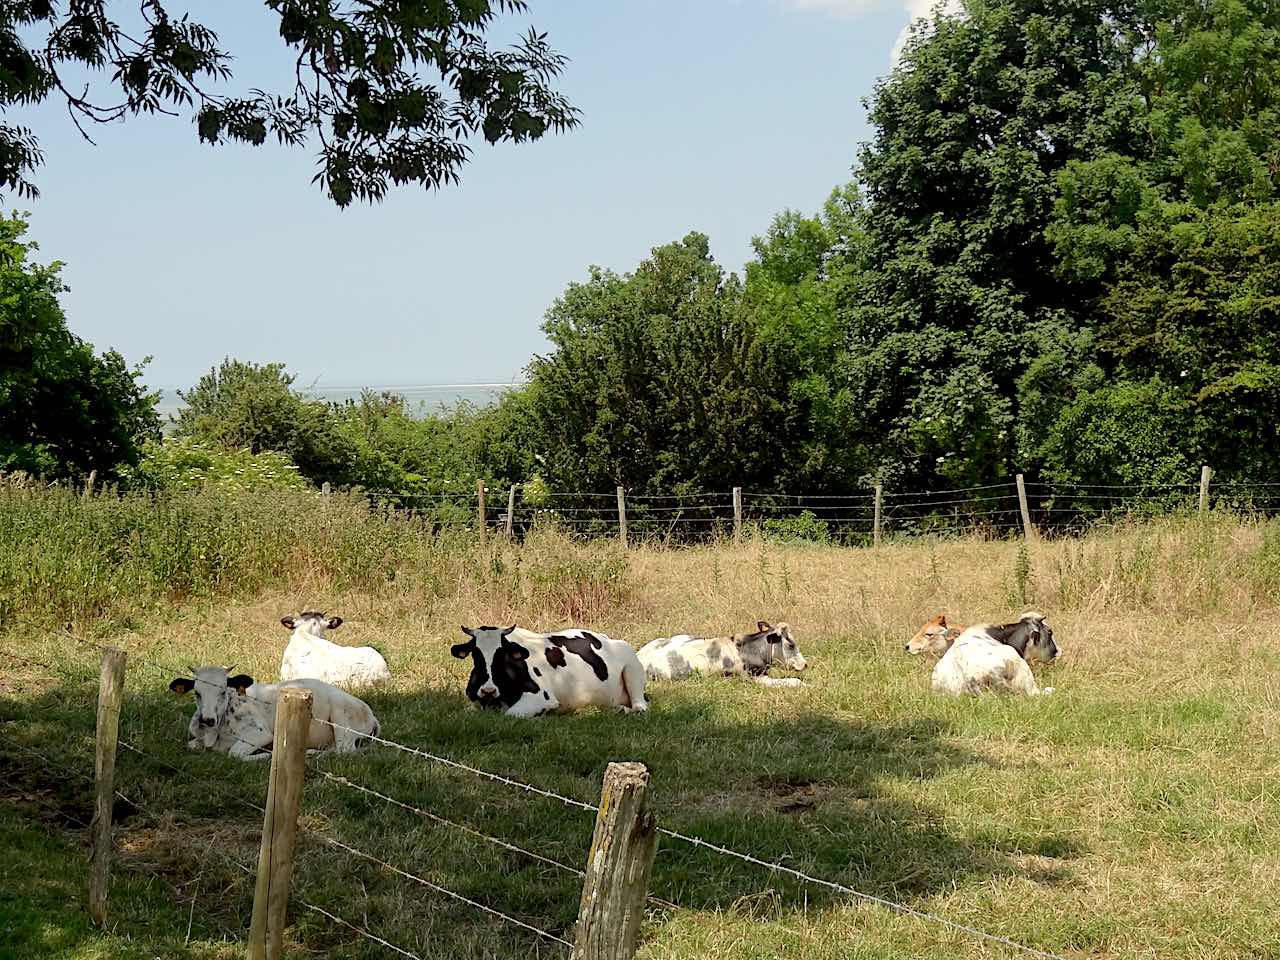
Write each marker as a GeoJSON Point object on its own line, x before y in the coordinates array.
{"type": "Point", "coordinates": [828, 796]}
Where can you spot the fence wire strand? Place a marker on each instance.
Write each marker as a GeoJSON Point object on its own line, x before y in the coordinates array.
{"type": "Point", "coordinates": [355, 852]}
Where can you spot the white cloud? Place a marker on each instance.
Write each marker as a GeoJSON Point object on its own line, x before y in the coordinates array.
{"type": "Point", "coordinates": [917, 9]}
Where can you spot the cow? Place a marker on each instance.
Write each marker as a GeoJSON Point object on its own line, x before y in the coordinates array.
{"type": "Point", "coordinates": [531, 673]}
{"type": "Point", "coordinates": [749, 654]}
{"type": "Point", "coordinates": [237, 716]}
{"type": "Point", "coordinates": [935, 637]}
{"type": "Point", "coordinates": [995, 657]}
{"type": "Point", "coordinates": [309, 655]}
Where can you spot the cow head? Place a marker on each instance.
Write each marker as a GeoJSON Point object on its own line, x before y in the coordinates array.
{"type": "Point", "coordinates": [769, 645]}
{"type": "Point", "coordinates": [214, 689]}
{"type": "Point", "coordinates": [1038, 645]}
{"type": "Point", "coordinates": [934, 637]}
{"type": "Point", "coordinates": [499, 668]}
{"type": "Point", "coordinates": [313, 622]}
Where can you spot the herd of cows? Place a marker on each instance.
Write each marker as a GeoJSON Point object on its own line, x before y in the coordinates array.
{"type": "Point", "coordinates": [528, 674]}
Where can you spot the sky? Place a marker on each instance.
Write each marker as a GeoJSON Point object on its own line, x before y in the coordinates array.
{"type": "Point", "coordinates": [707, 115]}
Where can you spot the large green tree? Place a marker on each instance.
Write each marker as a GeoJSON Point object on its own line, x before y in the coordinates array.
{"type": "Point", "coordinates": [388, 92]}
{"type": "Point", "coordinates": [64, 410]}
{"type": "Point", "coordinates": [660, 380]}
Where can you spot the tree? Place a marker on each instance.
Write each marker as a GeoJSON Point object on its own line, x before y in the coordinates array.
{"type": "Point", "coordinates": [240, 405]}
{"type": "Point", "coordinates": [63, 410]}
{"type": "Point", "coordinates": [390, 90]}
{"type": "Point", "coordinates": [660, 380]}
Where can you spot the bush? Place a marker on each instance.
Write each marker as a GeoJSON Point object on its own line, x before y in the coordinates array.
{"type": "Point", "coordinates": [180, 463]}
{"type": "Point", "coordinates": [802, 528]}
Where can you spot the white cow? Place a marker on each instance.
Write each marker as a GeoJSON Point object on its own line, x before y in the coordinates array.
{"type": "Point", "coordinates": [237, 716]}
{"type": "Point", "coordinates": [752, 654]}
{"type": "Point", "coordinates": [310, 656]}
{"type": "Point", "coordinates": [994, 657]}
{"type": "Point", "coordinates": [533, 673]}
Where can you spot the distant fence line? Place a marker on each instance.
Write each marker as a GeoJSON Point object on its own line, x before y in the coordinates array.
{"type": "Point", "coordinates": [995, 510]}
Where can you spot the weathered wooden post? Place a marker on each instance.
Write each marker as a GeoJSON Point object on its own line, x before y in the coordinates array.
{"type": "Point", "coordinates": [325, 488]}
{"type": "Point", "coordinates": [622, 517]}
{"type": "Point", "coordinates": [1028, 531]}
{"type": "Point", "coordinates": [1205, 474]}
{"type": "Point", "coordinates": [879, 501]}
{"type": "Point", "coordinates": [110, 695]}
{"type": "Point", "coordinates": [617, 881]}
{"type": "Point", "coordinates": [88, 484]}
{"type": "Point", "coordinates": [511, 511]}
{"type": "Point", "coordinates": [737, 514]}
{"type": "Point", "coordinates": [280, 824]}
{"type": "Point", "coordinates": [480, 512]}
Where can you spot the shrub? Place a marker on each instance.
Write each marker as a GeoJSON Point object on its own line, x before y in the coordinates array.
{"type": "Point", "coordinates": [180, 463]}
{"type": "Point", "coordinates": [802, 528]}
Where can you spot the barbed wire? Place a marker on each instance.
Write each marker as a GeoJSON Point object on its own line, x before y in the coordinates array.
{"type": "Point", "coordinates": [496, 777]}
{"type": "Point", "coordinates": [435, 818]}
{"type": "Point", "coordinates": [857, 894]}
{"type": "Point", "coordinates": [360, 930]}
{"type": "Point", "coordinates": [354, 851]}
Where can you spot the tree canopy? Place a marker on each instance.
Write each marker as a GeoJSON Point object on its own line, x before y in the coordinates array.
{"type": "Point", "coordinates": [390, 92]}
{"type": "Point", "coordinates": [64, 410]}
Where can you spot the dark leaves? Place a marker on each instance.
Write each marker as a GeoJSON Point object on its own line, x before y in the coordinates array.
{"type": "Point", "coordinates": [359, 87]}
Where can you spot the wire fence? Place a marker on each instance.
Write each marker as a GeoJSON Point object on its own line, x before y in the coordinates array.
{"type": "Point", "coordinates": [162, 756]}
{"type": "Point", "coordinates": [858, 517]}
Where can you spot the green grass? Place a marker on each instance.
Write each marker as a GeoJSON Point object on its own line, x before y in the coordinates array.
{"type": "Point", "coordinates": [1131, 814]}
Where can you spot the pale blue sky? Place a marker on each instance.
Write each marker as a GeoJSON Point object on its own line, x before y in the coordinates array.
{"type": "Point", "coordinates": [708, 115]}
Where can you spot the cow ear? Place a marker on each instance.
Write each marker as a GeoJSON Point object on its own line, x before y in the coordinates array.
{"type": "Point", "coordinates": [764, 626]}
{"type": "Point", "coordinates": [182, 686]}
{"type": "Point", "coordinates": [517, 652]}
{"type": "Point", "coordinates": [469, 632]}
{"type": "Point", "coordinates": [240, 682]}
{"type": "Point", "coordinates": [462, 650]}
{"type": "Point", "coordinates": [334, 623]}
{"type": "Point", "coordinates": [289, 622]}
{"type": "Point", "coordinates": [942, 619]}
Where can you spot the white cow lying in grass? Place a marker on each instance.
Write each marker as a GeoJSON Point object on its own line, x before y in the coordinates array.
{"type": "Point", "coordinates": [237, 716]}
{"type": "Point", "coordinates": [990, 656]}
{"type": "Point", "coordinates": [752, 654]}
{"type": "Point", "coordinates": [310, 655]}
{"type": "Point", "coordinates": [533, 673]}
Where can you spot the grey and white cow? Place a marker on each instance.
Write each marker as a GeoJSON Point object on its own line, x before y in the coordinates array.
{"type": "Point", "coordinates": [529, 673]}
{"type": "Point", "coordinates": [751, 654]}
{"type": "Point", "coordinates": [989, 656]}
{"type": "Point", "coordinates": [237, 716]}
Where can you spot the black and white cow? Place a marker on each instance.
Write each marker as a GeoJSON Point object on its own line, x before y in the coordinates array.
{"type": "Point", "coordinates": [990, 656]}
{"type": "Point", "coordinates": [531, 673]}
{"type": "Point", "coordinates": [237, 716]}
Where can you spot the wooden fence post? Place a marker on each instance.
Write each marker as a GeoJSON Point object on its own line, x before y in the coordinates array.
{"type": "Point", "coordinates": [325, 488]}
{"type": "Point", "coordinates": [280, 824]}
{"type": "Point", "coordinates": [879, 501]}
{"type": "Point", "coordinates": [1028, 531]}
{"type": "Point", "coordinates": [1205, 474]}
{"type": "Point", "coordinates": [622, 517]}
{"type": "Point", "coordinates": [737, 514]}
{"type": "Point", "coordinates": [617, 881]}
{"type": "Point", "coordinates": [511, 511]}
{"type": "Point", "coordinates": [110, 695]}
{"type": "Point", "coordinates": [88, 484]}
{"type": "Point", "coordinates": [480, 512]}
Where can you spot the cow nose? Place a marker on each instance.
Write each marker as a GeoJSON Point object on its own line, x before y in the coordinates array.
{"type": "Point", "coordinates": [488, 691]}
{"type": "Point", "coordinates": [206, 722]}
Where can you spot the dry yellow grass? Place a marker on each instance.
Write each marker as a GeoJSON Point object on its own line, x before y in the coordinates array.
{"type": "Point", "coordinates": [1131, 814]}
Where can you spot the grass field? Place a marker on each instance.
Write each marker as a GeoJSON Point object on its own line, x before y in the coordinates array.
{"type": "Point", "coordinates": [1134, 813]}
